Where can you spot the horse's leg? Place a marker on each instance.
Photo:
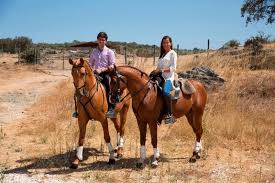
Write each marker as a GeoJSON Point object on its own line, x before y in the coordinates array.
{"type": "Point", "coordinates": [120, 138]}
{"type": "Point", "coordinates": [117, 127]}
{"type": "Point", "coordinates": [82, 123]}
{"type": "Point", "coordinates": [195, 120]}
{"type": "Point", "coordinates": [154, 140]}
{"type": "Point", "coordinates": [142, 130]}
{"type": "Point", "coordinates": [107, 139]}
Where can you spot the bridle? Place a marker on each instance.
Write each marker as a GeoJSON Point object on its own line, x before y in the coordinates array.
{"type": "Point", "coordinates": [82, 91]}
{"type": "Point", "coordinates": [119, 78]}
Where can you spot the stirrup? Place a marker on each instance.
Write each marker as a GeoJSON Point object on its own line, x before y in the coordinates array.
{"type": "Point", "coordinates": [111, 114]}
{"type": "Point", "coordinates": [169, 119]}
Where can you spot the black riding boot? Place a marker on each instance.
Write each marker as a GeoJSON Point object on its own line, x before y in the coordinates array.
{"type": "Point", "coordinates": [169, 118]}
{"type": "Point", "coordinates": [111, 107]}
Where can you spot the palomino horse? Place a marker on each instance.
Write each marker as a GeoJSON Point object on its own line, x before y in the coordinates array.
{"type": "Point", "coordinates": [147, 103]}
{"type": "Point", "coordinates": [92, 104]}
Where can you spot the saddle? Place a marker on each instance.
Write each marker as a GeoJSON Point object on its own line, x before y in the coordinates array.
{"type": "Point", "coordinates": [179, 84]}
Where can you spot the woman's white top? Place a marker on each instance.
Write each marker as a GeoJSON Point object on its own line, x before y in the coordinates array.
{"type": "Point", "coordinates": [168, 61]}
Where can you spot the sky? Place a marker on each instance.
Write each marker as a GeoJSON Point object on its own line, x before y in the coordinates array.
{"type": "Point", "coordinates": [189, 23]}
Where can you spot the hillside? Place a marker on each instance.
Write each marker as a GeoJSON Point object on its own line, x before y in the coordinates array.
{"type": "Point", "coordinates": [238, 138]}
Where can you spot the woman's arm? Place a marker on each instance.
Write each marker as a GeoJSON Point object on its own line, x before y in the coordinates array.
{"type": "Point", "coordinates": [173, 63]}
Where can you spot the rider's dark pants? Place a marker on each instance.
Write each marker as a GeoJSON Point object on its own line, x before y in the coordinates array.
{"type": "Point", "coordinates": [106, 81]}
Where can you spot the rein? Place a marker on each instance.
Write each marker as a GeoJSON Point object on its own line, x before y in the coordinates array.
{"type": "Point", "coordinates": [136, 93]}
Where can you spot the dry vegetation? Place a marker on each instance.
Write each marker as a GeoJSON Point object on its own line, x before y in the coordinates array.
{"type": "Point", "coordinates": [238, 139]}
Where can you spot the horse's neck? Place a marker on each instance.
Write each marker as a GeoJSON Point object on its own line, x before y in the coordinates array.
{"type": "Point", "coordinates": [91, 80]}
{"type": "Point", "coordinates": [135, 80]}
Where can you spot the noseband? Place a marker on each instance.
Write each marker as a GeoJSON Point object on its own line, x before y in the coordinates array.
{"type": "Point", "coordinates": [81, 91]}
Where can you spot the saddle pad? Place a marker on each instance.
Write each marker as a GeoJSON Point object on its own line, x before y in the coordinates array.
{"type": "Point", "coordinates": [186, 86]}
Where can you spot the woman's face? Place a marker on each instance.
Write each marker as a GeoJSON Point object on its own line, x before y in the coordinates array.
{"type": "Point", "coordinates": [166, 44]}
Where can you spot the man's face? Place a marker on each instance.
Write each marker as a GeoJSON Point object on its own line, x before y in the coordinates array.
{"type": "Point", "coordinates": [101, 42]}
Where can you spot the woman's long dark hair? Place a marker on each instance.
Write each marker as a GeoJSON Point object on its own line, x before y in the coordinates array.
{"type": "Point", "coordinates": [162, 51]}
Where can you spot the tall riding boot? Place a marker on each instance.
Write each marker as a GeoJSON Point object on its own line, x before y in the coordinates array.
{"type": "Point", "coordinates": [111, 107]}
{"type": "Point", "coordinates": [169, 118]}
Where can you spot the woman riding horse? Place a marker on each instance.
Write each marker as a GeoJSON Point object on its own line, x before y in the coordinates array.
{"type": "Point", "coordinates": [167, 67]}
{"type": "Point", "coordinates": [147, 103]}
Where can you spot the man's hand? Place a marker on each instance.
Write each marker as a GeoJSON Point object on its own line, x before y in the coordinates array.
{"type": "Point", "coordinates": [98, 71]}
{"type": "Point", "coordinates": [111, 68]}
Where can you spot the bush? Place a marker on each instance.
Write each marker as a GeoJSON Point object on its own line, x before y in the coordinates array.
{"type": "Point", "coordinates": [30, 56]}
{"type": "Point", "coordinates": [231, 44]}
{"type": "Point", "coordinates": [18, 44]}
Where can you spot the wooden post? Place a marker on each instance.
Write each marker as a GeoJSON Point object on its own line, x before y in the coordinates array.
{"type": "Point", "coordinates": [35, 55]}
{"type": "Point", "coordinates": [178, 48]}
{"type": "Point", "coordinates": [154, 56]}
{"type": "Point", "coordinates": [63, 59]}
{"type": "Point", "coordinates": [208, 45]}
{"type": "Point", "coordinates": [125, 54]}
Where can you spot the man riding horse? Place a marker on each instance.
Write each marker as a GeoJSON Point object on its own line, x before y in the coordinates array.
{"type": "Point", "coordinates": [102, 59]}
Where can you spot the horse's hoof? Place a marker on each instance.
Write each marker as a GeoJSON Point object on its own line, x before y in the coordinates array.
{"type": "Point", "coordinates": [74, 166]}
{"type": "Point", "coordinates": [111, 162]}
{"type": "Point", "coordinates": [154, 164]}
{"type": "Point", "coordinates": [196, 155]}
{"type": "Point", "coordinates": [192, 159]}
{"type": "Point", "coordinates": [140, 165]}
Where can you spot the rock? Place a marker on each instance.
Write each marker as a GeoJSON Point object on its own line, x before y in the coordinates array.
{"type": "Point", "coordinates": [205, 75]}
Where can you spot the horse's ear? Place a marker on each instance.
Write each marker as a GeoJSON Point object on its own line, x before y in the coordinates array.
{"type": "Point", "coordinates": [81, 61]}
{"type": "Point", "coordinates": [71, 61]}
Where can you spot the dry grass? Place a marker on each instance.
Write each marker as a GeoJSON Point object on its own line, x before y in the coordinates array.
{"type": "Point", "coordinates": [238, 137]}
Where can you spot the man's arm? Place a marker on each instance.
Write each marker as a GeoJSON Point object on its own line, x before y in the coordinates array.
{"type": "Point", "coordinates": [111, 61]}
{"type": "Point", "coordinates": [92, 60]}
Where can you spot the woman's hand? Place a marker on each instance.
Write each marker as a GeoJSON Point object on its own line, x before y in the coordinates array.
{"type": "Point", "coordinates": [155, 72]}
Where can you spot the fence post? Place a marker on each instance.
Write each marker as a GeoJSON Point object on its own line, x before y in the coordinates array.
{"type": "Point", "coordinates": [208, 45]}
{"type": "Point", "coordinates": [154, 55]}
{"type": "Point", "coordinates": [63, 59]}
{"type": "Point", "coordinates": [2, 50]}
{"type": "Point", "coordinates": [178, 48]}
{"type": "Point", "coordinates": [125, 54]}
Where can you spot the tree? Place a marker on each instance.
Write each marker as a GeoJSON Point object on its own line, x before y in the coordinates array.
{"type": "Point", "coordinates": [255, 10]}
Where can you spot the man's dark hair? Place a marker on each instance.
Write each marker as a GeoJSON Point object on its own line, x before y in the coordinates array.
{"type": "Point", "coordinates": [103, 35]}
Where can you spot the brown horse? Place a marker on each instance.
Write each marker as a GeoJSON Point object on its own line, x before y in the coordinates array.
{"type": "Point", "coordinates": [147, 103]}
{"type": "Point", "coordinates": [92, 104]}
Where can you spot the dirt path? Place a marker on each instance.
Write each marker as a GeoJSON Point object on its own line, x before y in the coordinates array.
{"type": "Point", "coordinates": [21, 86]}
{"type": "Point", "coordinates": [22, 90]}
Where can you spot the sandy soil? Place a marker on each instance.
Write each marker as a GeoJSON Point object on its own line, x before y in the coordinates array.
{"type": "Point", "coordinates": [26, 157]}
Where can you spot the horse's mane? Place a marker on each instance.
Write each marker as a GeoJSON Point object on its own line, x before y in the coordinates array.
{"type": "Point", "coordinates": [131, 67]}
{"type": "Point", "coordinates": [86, 63]}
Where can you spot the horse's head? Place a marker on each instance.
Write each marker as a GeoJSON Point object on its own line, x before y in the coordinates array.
{"type": "Point", "coordinates": [79, 73]}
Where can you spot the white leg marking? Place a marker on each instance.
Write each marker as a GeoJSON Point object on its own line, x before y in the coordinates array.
{"type": "Point", "coordinates": [79, 152]}
{"type": "Point", "coordinates": [156, 153]}
{"type": "Point", "coordinates": [111, 151]}
{"type": "Point", "coordinates": [142, 153]}
{"type": "Point", "coordinates": [198, 146]}
{"type": "Point", "coordinates": [121, 142]}
{"type": "Point", "coordinates": [156, 156]}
